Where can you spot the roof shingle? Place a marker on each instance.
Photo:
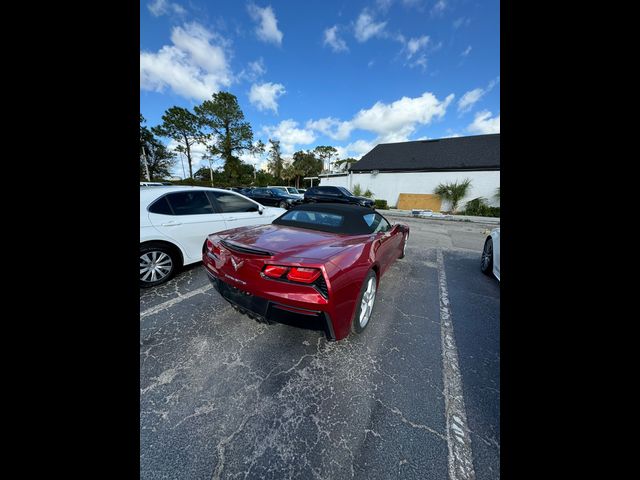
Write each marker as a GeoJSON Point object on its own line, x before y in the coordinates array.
{"type": "Point", "coordinates": [478, 152]}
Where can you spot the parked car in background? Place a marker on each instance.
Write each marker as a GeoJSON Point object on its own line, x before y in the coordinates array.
{"type": "Point", "coordinates": [241, 190]}
{"type": "Point", "coordinates": [175, 222]}
{"type": "Point", "coordinates": [151, 184]}
{"type": "Point", "coordinates": [273, 196]}
{"type": "Point", "coordinates": [302, 190]}
{"type": "Point", "coordinates": [290, 190]}
{"type": "Point", "coordinates": [317, 266]}
{"type": "Point", "coordinates": [490, 260]}
{"type": "Point", "coordinates": [336, 195]}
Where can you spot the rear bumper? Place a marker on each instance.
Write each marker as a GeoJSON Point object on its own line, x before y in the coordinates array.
{"type": "Point", "coordinates": [269, 311]}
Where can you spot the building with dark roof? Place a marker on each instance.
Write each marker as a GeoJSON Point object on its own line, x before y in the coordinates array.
{"type": "Point", "coordinates": [416, 168]}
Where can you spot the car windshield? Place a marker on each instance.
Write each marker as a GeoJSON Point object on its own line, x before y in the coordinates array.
{"type": "Point", "coordinates": [321, 218]}
{"type": "Point", "coordinates": [292, 190]}
{"type": "Point", "coordinates": [280, 189]}
{"type": "Point", "coordinates": [345, 219]}
{"type": "Point", "coordinates": [345, 191]}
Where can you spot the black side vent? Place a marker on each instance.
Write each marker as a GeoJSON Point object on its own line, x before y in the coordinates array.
{"type": "Point", "coordinates": [247, 250]}
{"type": "Point", "coordinates": [321, 286]}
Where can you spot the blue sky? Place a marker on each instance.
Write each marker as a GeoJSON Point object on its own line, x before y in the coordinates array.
{"type": "Point", "coordinates": [345, 73]}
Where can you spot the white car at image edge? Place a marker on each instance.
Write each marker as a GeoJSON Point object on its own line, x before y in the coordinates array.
{"type": "Point", "coordinates": [490, 261]}
{"type": "Point", "coordinates": [175, 222]}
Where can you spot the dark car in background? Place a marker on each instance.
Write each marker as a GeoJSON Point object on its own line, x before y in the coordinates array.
{"type": "Point", "coordinates": [241, 190]}
{"type": "Point", "coordinates": [274, 197]}
{"type": "Point", "coordinates": [336, 195]}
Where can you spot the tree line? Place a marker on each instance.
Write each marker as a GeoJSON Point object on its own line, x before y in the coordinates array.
{"type": "Point", "coordinates": [219, 124]}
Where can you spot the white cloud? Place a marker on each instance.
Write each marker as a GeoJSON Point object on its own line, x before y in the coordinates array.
{"type": "Point", "coordinates": [267, 30]}
{"type": "Point", "coordinates": [257, 67]}
{"type": "Point", "coordinates": [483, 123]}
{"type": "Point", "coordinates": [162, 7]}
{"type": "Point", "coordinates": [394, 122]}
{"type": "Point", "coordinates": [253, 71]}
{"type": "Point", "coordinates": [399, 119]}
{"type": "Point", "coordinates": [421, 61]}
{"type": "Point", "coordinates": [462, 21]}
{"type": "Point", "coordinates": [467, 100]}
{"type": "Point", "coordinates": [470, 98]}
{"type": "Point", "coordinates": [265, 95]}
{"type": "Point", "coordinates": [331, 38]}
{"type": "Point", "coordinates": [366, 27]}
{"type": "Point", "coordinates": [331, 127]}
{"type": "Point", "coordinates": [415, 44]}
{"type": "Point", "coordinates": [439, 7]}
{"type": "Point", "coordinates": [290, 135]}
{"type": "Point", "coordinates": [466, 52]}
{"type": "Point", "coordinates": [195, 66]}
{"type": "Point", "coordinates": [384, 5]}
{"type": "Point", "coordinates": [355, 149]}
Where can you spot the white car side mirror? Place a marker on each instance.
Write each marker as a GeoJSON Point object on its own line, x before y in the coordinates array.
{"type": "Point", "coordinates": [260, 209]}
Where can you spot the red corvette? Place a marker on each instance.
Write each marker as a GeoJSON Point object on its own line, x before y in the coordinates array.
{"type": "Point", "coordinates": [316, 266]}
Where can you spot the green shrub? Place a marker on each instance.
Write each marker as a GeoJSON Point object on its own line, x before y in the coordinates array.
{"type": "Point", "coordinates": [381, 204]}
{"type": "Point", "coordinates": [357, 190]}
{"type": "Point", "coordinates": [368, 193]}
{"type": "Point", "coordinates": [478, 207]}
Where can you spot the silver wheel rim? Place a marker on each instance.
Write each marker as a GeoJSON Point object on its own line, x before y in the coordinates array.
{"type": "Point", "coordinates": [368, 298]}
{"type": "Point", "coordinates": [154, 266]}
{"type": "Point", "coordinates": [283, 205]}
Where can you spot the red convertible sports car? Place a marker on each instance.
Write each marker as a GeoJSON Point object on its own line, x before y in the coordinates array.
{"type": "Point", "coordinates": [317, 266]}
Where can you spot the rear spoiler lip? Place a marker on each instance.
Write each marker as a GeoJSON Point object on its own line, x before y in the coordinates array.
{"type": "Point", "coordinates": [239, 248]}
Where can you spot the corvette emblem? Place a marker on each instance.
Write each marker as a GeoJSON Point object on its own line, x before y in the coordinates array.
{"type": "Point", "coordinates": [236, 265]}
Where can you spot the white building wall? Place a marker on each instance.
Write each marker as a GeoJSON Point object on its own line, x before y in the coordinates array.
{"type": "Point", "coordinates": [389, 186]}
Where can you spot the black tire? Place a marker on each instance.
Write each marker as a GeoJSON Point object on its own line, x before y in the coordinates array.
{"type": "Point", "coordinates": [357, 324]}
{"type": "Point", "coordinates": [161, 255]}
{"type": "Point", "coordinates": [404, 246]}
{"type": "Point", "coordinates": [282, 204]}
{"type": "Point", "coordinates": [486, 261]}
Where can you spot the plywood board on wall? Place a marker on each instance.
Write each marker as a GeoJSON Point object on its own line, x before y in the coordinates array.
{"type": "Point", "coordinates": [421, 201]}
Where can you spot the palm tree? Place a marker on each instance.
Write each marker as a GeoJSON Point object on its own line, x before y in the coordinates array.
{"type": "Point", "coordinates": [454, 192]}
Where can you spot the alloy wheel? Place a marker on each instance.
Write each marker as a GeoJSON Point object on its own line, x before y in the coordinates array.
{"type": "Point", "coordinates": [368, 299]}
{"type": "Point", "coordinates": [154, 266]}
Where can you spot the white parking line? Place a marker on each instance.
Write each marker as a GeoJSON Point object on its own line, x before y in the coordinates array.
{"type": "Point", "coordinates": [458, 439]}
{"type": "Point", "coordinates": [173, 301]}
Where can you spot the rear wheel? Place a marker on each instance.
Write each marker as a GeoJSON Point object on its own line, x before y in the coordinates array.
{"type": "Point", "coordinates": [282, 204]}
{"type": "Point", "coordinates": [158, 263]}
{"type": "Point", "coordinates": [365, 303]}
{"type": "Point", "coordinates": [486, 262]}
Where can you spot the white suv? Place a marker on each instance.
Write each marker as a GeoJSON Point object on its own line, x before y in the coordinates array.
{"type": "Point", "coordinates": [175, 222]}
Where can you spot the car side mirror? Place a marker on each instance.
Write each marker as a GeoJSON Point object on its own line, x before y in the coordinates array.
{"type": "Point", "coordinates": [260, 209]}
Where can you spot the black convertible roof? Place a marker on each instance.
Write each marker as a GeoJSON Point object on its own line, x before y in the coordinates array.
{"type": "Point", "coordinates": [353, 223]}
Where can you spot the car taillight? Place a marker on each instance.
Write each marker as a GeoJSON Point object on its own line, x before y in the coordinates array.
{"type": "Point", "coordinates": [212, 247]}
{"type": "Point", "coordinates": [275, 271]}
{"type": "Point", "coordinates": [303, 275]}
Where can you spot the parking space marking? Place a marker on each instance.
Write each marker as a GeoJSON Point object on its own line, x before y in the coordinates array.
{"type": "Point", "coordinates": [173, 301]}
{"type": "Point", "coordinates": [458, 438]}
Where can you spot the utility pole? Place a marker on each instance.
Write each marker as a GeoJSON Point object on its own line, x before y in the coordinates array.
{"type": "Point", "coordinates": [146, 167]}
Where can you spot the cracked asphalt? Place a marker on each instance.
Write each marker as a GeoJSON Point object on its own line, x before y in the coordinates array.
{"type": "Point", "coordinates": [223, 397]}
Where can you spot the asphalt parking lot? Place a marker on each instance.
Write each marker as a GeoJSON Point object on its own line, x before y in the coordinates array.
{"type": "Point", "coordinates": [223, 397]}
